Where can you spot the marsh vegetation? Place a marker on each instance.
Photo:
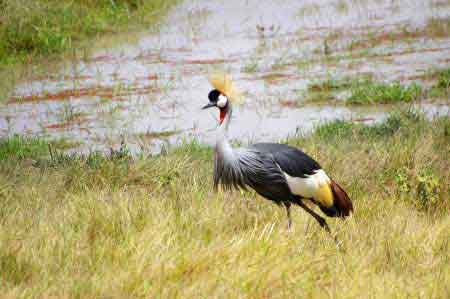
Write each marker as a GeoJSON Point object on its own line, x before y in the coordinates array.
{"type": "Point", "coordinates": [119, 226]}
{"type": "Point", "coordinates": [37, 28]}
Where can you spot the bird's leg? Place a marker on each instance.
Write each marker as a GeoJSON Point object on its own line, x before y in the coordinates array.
{"type": "Point", "coordinates": [319, 219]}
{"type": "Point", "coordinates": [287, 205]}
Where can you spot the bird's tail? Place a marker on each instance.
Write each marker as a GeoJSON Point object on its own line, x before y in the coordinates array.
{"type": "Point", "coordinates": [342, 205]}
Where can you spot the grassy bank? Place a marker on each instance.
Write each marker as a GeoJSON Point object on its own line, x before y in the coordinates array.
{"type": "Point", "coordinates": [30, 29]}
{"type": "Point", "coordinates": [39, 30]}
{"type": "Point", "coordinates": [117, 227]}
{"type": "Point", "coordinates": [383, 93]}
{"type": "Point", "coordinates": [365, 91]}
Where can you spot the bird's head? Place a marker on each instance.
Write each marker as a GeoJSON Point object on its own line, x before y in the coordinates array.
{"type": "Point", "coordinates": [219, 100]}
{"type": "Point", "coordinates": [223, 94]}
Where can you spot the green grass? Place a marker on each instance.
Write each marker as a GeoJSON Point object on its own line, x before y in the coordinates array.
{"type": "Point", "coordinates": [443, 79]}
{"type": "Point", "coordinates": [344, 129]}
{"type": "Point", "coordinates": [438, 27]}
{"type": "Point", "coordinates": [113, 226]}
{"type": "Point", "coordinates": [18, 147]}
{"type": "Point", "coordinates": [441, 88]}
{"type": "Point", "coordinates": [330, 84]}
{"type": "Point", "coordinates": [43, 27]}
{"type": "Point", "coordinates": [43, 32]}
{"type": "Point", "coordinates": [369, 92]}
{"type": "Point", "coordinates": [324, 91]}
{"type": "Point", "coordinates": [435, 28]}
{"type": "Point", "coordinates": [251, 66]}
{"type": "Point", "coordinates": [69, 113]}
{"type": "Point", "coordinates": [364, 90]}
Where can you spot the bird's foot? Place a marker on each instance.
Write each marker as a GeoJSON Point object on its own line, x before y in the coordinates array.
{"type": "Point", "coordinates": [289, 227]}
{"type": "Point", "coordinates": [324, 224]}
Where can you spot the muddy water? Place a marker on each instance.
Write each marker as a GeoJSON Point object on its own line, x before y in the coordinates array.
{"type": "Point", "coordinates": [149, 93]}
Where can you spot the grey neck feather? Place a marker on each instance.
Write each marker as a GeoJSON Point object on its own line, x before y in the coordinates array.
{"type": "Point", "coordinates": [224, 151]}
{"type": "Point", "coordinates": [226, 168]}
{"type": "Point", "coordinates": [241, 167]}
{"type": "Point", "coordinates": [223, 128]}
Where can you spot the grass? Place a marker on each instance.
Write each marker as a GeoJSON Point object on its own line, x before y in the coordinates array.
{"type": "Point", "coordinates": [438, 27]}
{"type": "Point", "coordinates": [330, 84]}
{"type": "Point", "coordinates": [251, 66]}
{"type": "Point", "coordinates": [435, 28]}
{"type": "Point", "coordinates": [323, 91]}
{"type": "Point", "coordinates": [373, 39]}
{"type": "Point", "coordinates": [369, 92]}
{"type": "Point", "coordinates": [34, 31]}
{"type": "Point", "coordinates": [341, 7]}
{"type": "Point", "coordinates": [18, 147]}
{"type": "Point", "coordinates": [113, 226]}
{"type": "Point", "coordinates": [326, 90]}
{"type": "Point", "coordinates": [443, 81]}
{"type": "Point", "coordinates": [69, 113]}
{"type": "Point", "coordinates": [149, 135]}
{"type": "Point", "coordinates": [38, 27]}
{"type": "Point", "coordinates": [364, 90]}
{"type": "Point", "coordinates": [309, 10]}
{"type": "Point", "coordinates": [391, 125]}
{"type": "Point", "coordinates": [441, 88]}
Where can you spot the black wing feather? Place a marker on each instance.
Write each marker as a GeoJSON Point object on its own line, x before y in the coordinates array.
{"type": "Point", "coordinates": [277, 190]}
{"type": "Point", "coordinates": [291, 160]}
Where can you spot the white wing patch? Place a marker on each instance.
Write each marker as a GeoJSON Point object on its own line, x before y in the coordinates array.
{"type": "Point", "coordinates": [307, 187]}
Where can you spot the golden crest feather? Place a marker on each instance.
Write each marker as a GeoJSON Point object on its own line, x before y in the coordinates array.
{"type": "Point", "coordinates": [224, 83]}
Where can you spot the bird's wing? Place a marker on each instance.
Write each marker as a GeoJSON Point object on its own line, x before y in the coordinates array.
{"type": "Point", "coordinates": [291, 160]}
{"type": "Point", "coordinates": [257, 170]}
{"type": "Point", "coordinates": [307, 179]}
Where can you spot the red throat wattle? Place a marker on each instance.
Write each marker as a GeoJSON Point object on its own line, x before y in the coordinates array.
{"type": "Point", "coordinates": [223, 112]}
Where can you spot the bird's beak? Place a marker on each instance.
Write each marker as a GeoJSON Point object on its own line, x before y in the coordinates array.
{"type": "Point", "coordinates": [209, 105]}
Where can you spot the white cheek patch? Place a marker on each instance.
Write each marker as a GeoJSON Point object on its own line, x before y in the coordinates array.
{"type": "Point", "coordinates": [222, 101]}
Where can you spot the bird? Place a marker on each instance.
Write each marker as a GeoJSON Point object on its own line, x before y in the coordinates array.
{"type": "Point", "coordinates": [278, 172]}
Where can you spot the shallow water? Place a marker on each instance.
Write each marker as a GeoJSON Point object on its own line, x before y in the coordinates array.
{"type": "Point", "coordinates": [149, 92]}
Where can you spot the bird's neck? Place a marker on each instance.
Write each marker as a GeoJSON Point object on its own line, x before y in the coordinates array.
{"type": "Point", "coordinates": [222, 132]}
{"type": "Point", "coordinates": [222, 144]}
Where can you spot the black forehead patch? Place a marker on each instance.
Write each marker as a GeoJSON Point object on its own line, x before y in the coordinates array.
{"type": "Point", "coordinates": [214, 95]}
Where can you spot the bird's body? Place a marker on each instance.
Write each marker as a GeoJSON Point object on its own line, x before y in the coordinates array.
{"type": "Point", "coordinates": [278, 172]}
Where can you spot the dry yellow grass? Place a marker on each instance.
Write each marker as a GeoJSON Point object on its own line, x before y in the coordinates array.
{"type": "Point", "coordinates": [153, 228]}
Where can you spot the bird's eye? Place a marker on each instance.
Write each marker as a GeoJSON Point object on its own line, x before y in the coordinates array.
{"type": "Point", "coordinates": [222, 101]}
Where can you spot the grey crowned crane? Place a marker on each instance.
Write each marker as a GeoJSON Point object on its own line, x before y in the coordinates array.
{"type": "Point", "coordinates": [278, 172]}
